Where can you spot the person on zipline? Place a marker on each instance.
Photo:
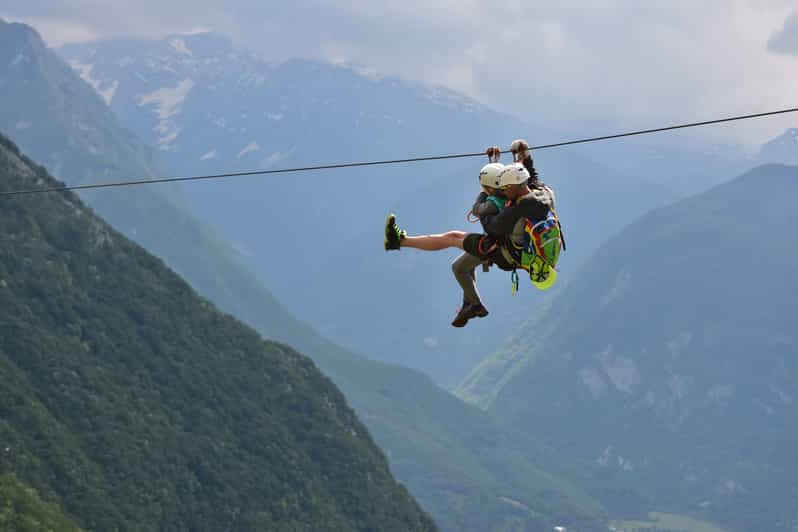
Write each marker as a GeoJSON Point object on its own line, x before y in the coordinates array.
{"type": "Point", "coordinates": [517, 234]}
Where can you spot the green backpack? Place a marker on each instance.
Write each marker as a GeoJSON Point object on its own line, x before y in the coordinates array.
{"type": "Point", "coordinates": [540, 252]}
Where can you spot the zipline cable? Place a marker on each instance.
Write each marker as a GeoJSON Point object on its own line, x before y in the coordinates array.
{"type": "Point", "coordinates": [386, 162]}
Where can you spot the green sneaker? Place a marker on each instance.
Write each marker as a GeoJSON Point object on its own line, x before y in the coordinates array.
{"type": "Point", "coordinates": [393, 235]}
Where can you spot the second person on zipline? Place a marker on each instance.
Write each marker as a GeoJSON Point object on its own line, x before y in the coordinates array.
{"type": "Point", "coordinates": [511, 232]}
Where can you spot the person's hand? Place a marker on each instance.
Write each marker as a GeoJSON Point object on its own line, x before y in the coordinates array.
{"type": "Point", "coordinates": [520, 149]}
{"type": "Point", "coordinates": [493, 153]}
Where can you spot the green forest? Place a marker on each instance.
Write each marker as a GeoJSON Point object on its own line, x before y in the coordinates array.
{"type": "Point", "coordinates": [136, 405]}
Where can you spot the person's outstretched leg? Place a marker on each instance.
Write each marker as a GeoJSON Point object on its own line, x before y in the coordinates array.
{"type": "Point", "coordinates": [452, 239]}
{"type": "Point", "coordinates": [396, 238]}
{"type": "Point", "coordinates": [464, 267]}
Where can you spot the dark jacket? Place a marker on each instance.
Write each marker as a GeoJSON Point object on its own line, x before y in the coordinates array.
{"type": "Point", "coordinates": [535, 206]}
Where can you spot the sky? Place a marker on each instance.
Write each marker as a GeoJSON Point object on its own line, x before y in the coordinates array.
{"type": "Point", "coordinates": [579, 68]}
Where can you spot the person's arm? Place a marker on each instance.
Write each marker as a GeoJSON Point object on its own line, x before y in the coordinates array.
{"type": "Point", "coordinates": [521, 153]}
{"type": "Point", "coordinates": [485, 205]}
{"type": "Point", "coordinates": [481, 198]}
{"type": "Point", "coordinates": [529, 164]}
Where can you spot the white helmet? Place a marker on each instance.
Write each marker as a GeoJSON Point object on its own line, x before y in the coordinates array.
{"type": "Point", "coordinates": [489, 175]}
{"type": "Point", "coordinates": [513, 174]}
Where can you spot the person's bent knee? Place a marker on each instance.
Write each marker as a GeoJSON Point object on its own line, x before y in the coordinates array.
{"type": "Point", "coordinates": [458, 265]}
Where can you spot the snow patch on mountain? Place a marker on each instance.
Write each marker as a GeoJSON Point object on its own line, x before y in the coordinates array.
{"type": "Point", "coordinates": [108, 94]}
{"type": "Point", "coordinates": [625, 464]}
{"type": "Point", "coordinates": [179, 45]}
{"type": "Point", "coordinates": [678, 386]}
{"type": "Point", "coordinates": [729, 487]}
{"type": "Point", "coordinates": [678, 344]}
{"type": "Point", "coordinates": [591, 378]}
{"type": "Point", "coordinates": [168, 100]}
{"type": "Point", "coordinates": [219, 121]}
{"type": "Point", "coordinates": [622, 372]}
{"type": "Point", "coordinates": [604, 458]}
{"type": "Point", "coordinates": [277, 157]}
{"type": "Point", "coordinates": [451, 99]}
{"type": "Point", "coordinates": [243, 249]}
{"type": "Point", "coordinates": [517, 504]}
{"type": "Point", "coordinates": [85, 72]}
{"type": "Point", "coordinates": [249, 148]}
{"type": "Point", "coordinates": [368, 73]}
{"type": "Point", "coordinates": [620, 287]}
{"type": "Point", "coordinates": [783, 396]}
{"type": "Point", "coordinates": [169, 133]}
{"type": "Point", "coordinates": [720, 393]}
{"type": "Point", "coordinates": [389, 118]}
{"type": "Point", "coordinates": [168, 104]}
{"type": "Point", "coordinates": [431, 342]}
{"type": "Point", "coordinates": [766, 408]}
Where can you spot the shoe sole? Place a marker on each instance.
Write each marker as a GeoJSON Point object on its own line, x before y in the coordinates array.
{"type": "Point", "coordinates": [481, 314]}
{"type": "Point", "coordinates": [389, 221]}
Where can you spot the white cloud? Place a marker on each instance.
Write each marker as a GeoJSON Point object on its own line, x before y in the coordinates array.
{"type": "Point", "coordinates": [785, 40]}
{"type": "Point", "coordinates": [56, 31]}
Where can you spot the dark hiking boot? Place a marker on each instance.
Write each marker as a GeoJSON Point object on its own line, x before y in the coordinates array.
{"type": "Point", "coordinates": [468, 311]}
{"type": "Point", "coordinates": [393, 235]}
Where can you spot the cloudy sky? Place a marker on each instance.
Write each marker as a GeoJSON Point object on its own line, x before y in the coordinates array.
{"type": "Point", "coordinates": [580, 67]}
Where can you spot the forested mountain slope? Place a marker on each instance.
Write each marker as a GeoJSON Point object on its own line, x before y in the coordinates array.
{"type": "Point", "coordinates": [138, 406]}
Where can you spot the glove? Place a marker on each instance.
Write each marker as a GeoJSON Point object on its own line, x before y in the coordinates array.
{"type": "Point", "coordinates": [493, 153]}
{"type": "Point", "coordinates": [520, 149]}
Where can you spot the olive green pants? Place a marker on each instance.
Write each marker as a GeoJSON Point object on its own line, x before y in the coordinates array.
{"type": "Point", "coordinates": [464, 268]}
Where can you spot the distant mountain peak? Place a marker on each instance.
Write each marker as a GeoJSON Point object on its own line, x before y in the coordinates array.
{"type": "Point", "coordinates": [200, 43]}
{"type": "Point", "coordinates": [18, 35]}
{"type": "Point", "coordinates": [361, 70]}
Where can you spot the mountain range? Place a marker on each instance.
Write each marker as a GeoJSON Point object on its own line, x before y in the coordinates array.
{"type": "Point", "coordinates": [650, 395]}
{"type": "Point", "coordinates": [314, 238]}
{"type": "Point", "coordinates": [455, 459]}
